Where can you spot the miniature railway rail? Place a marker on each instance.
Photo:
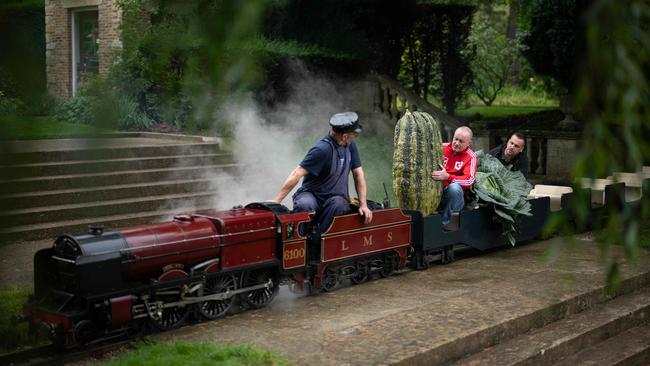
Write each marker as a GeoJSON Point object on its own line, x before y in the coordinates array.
{"type": "Point", "coordinates": [52, 355]}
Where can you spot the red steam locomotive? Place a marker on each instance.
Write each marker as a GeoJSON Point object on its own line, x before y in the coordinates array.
{"type": "Point", "coordinates": [108, 283]}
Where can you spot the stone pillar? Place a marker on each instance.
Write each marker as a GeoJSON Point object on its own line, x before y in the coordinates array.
{"type": "Point", "coordinates": [110, 43]}
{"type": "Point", "coordinates": [58, 40]}
{"type": "Point", "coordinates": [57, 49]}
{"type": "Point", "coordinates": [561, 157]}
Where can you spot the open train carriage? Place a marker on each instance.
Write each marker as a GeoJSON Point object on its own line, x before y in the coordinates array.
{"type": "Point", "coordinates": [351, 249]}
{"type": "Point", "coordinates": [476, 229]}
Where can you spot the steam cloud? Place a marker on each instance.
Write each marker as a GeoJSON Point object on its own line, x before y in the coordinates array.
{"type": "Point", "coordinates": [269, 144]}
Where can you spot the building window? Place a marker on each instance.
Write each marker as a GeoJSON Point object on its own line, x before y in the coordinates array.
{"type": "Point", "coordinates": [85, 46]}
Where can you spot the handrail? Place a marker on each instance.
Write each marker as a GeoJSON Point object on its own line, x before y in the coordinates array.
{"type": "Point", "coordinates": [391, 90]}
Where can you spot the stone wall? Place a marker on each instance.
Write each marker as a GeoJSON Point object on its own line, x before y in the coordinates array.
{"type": "Point", "coordinates": [551, 153]}
{"type": "Point", "coordinates": [58, 40]}
{"type": "Point", "coordinates": [110, 43]}
{"type": "Point", "coordinates": [57, 49]}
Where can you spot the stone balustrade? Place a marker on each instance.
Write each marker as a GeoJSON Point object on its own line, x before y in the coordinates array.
{"type": "Point", "coordinates": [392, 100]}
{"type": "Point", "coordinates": [551, 154]}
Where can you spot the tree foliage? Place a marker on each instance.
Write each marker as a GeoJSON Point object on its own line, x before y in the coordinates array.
{"type": "Point", "coordinates": [22, 59]}
{"type": "Point", "coordinates": [553, 26]}
{"type": "Point", "coordinates": [357, 36]}
{"type": "Point", "coordinates": [613, 97]}
{"type": "Point", "coordinates": [181, 57]}
{"type": "Point", "coordinates": [494, 55]}
{"type": "Point", "coordinates": [433, 61]}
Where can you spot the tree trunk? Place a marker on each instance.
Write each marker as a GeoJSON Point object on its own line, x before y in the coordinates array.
{"type": "Point", "coordinates": [511, 33]}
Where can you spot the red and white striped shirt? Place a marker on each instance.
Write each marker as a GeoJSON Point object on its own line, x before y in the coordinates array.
{"type": "Point", "coordinates": [461, 167]}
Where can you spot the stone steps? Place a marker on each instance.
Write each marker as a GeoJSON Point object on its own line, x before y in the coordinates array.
{"type": "Point", "coordinates": [629, 348]}
{"type": "Point", "coordinates": [17, 171]}
{"type": "Point", "coordinates": [55, 228]}
{"type": "Point", "coordinates": [104, 193]}
{"type": "Point", "coordinates": [60, 182]}
{"type": "Point", "coordinates": [78, 211]}
{"type": "Point", "coordinates": [96, 150]}
{"type": "Point", "coordinates": [57, 186]}
{"type": "Point", "coordinates": [578, 337]}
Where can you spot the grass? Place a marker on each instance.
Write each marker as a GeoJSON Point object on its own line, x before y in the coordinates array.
{"type": "Point", "coordinates": [38, 128]}
{"type": "Point", "coordinates": [517, 96]}
{"type": "Point", "coordinates": [501, 111]}
{"type": "Point", "coordinates": [13, 335]}
{"type": "Point", "coordinates": [195, 354]}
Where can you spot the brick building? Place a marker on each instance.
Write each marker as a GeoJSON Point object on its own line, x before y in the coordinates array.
{"type": "Point", "coordinates": [82, 37]}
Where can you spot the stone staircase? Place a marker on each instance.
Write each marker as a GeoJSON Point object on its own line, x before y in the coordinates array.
{"type": "Point", "coordinates": [47, 193]}
{"type": "Point", "coordinates": [580, 332]}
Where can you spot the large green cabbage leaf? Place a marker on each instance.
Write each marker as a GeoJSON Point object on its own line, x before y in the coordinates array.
{"type": "Point", "coordinates": [504, 190]}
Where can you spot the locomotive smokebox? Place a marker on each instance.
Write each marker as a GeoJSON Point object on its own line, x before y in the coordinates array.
{"type": "Point", "coordinates": [90, 262]}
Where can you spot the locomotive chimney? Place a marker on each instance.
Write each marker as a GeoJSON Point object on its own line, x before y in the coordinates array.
{"type": "Point", "coordinates": [95, 229]}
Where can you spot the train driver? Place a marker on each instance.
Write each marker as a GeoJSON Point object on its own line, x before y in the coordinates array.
{"type": "Point", "coordinates": [326, 169]}
{"type": "Point", "coordinates": [457, 172]}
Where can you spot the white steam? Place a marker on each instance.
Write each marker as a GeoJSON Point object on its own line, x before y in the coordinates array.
{"type": "Point", "coordinates": [269, 144]}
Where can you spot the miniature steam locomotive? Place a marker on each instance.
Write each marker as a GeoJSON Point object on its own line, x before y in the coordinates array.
{"type": "Point", "coordinates": [108, 283]}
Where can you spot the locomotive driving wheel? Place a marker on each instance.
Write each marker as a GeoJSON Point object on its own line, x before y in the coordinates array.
{"type": "Point", "coordinates": [166, 318]}
{"type": "Point", "coordinates": [214, 309]}
{"type": "Point", "coordinates": [259, 298]}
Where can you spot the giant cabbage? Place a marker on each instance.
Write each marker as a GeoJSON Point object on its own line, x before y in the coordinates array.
{"type": "Point", "coordinates": [504, 190]}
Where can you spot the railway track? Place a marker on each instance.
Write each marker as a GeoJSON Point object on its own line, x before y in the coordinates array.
{"type": "Point", "coordinates": [52, 355]}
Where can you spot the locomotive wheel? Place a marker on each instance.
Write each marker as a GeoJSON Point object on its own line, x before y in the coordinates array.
{"type": "Point", "coordinates": [261, 297]}
{"type": "Point", "coordinates": [330, 282]}
{"type": "Point", "coordinates": [331, 279]}
{"type": "Point", "coordinates": [85, 331]}
{"type": "Point", "coordinates": [170, 318]}
{"type": "Point", "coordinates": [217, 308]}
{"type": "Point", "coordinates": [361, 274]}
{"type": "Point", "coordinates": [389, 266]}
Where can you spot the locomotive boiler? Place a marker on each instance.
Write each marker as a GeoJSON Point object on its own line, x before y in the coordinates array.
{"type": "Point", "coordinates": [106, 283]}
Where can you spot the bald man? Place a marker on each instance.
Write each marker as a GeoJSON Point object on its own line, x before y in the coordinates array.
{"type": "Point", "coordinates": [457, 172]}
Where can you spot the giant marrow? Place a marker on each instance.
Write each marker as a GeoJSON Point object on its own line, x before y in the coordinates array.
{"type": "Point", "coordinates": [417, 153]}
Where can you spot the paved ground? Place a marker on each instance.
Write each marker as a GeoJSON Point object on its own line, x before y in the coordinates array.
{"type": "Point", "coordinates": [416, 317]}
{"type": "Point", "coordinates": [399, 319]}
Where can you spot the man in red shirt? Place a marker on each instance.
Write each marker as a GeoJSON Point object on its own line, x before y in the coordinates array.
{"type": "Point", "coordinates": [457, 172]}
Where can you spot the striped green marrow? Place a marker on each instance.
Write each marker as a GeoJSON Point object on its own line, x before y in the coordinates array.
{"type": "Point", "coordinates": [418, 152]}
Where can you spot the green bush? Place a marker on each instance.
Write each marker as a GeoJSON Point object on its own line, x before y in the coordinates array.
{"type": "Point", "coordinates": [108, 110]}
{"type": "Point", "coordinates": [122, 112]}
{"type": "Point", "coordinates": [9, 106]}
{"type": "Point", "coordinates": [77, 109]}
{"type": "Point", "coordinates": [13, 335]}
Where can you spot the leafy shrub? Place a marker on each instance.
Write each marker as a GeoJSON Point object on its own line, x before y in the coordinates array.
{"type": "Point", "coordinates": [9, 106]}
{"type": "Point", "coordinates": [77, 109]}
{"type": "Point", "coordinates": [114, 111]}
{"type": "Point", "coordinates": [122, 112]}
